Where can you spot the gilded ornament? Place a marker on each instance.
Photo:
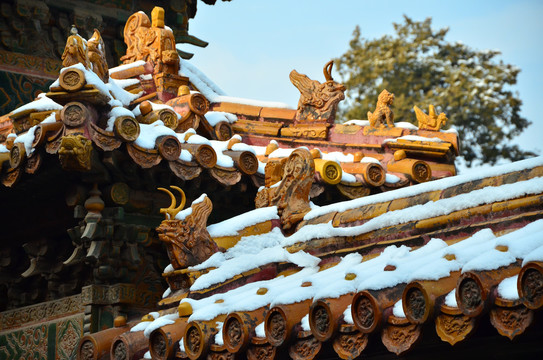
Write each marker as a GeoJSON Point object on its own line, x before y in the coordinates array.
{"type": "Point", "coordinates": [383, 112]}
{"type": "Point", "coordinates": [318, 101]}
{"type": "Point", "coordinates": [432, 121]}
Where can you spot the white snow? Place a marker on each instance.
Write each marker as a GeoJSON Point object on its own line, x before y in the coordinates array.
{"type": "Point", "coordinates": [213, 93]}
{"type": "Point", "coordinates": [27, 138]}
{"type": "Point", "coordinates": [185, 155]}
{"type": "Point", "coordinates": [214, 117]}
{"type": "Point", "coordinates": [42, 103]}
{"type": "Point", "coordinates": [397, 310]}
{"type": "Point", "coordinates": [126, 66]}
{"type": "Point", "coordinates": [338, 157]}
{"type": "Point", "coordinates": [369, 159]}
{"type": "Point", "coordinates": [150, 132]}
{"type": "Point", "coordinates": [305, 323]}
{"type": "Point", "coordinates": [463, 252]}
{"type": "Point", "coordinates": [52, 118]}
{"type": "Point", "coordinates": [168, 269]}
{"type": "Point", "coordinates": [238, 265]}
{"type": "Point", "coordinates": [3, 148]}
{"type": "Point", "coordinates": [160, 322]}
{"type": "Point", "coordinates": [519, 243]}
{"type": "Point", "coordinates": [218, 335]}
{"type": "Point", "coordinates": [147, 355]}
{"type": "Point", "coordinates": [450, 299]}
{"type": "Point", "coordinates": [401, 124]}
{"type": "Point", "coordinates": [357, 122]}
{"type": "Point", "coordinates": [280, 153]}
{"type": "Point", "coordinates": [260, 330]}
{"type": "Point", "coordinates": [348, 178]}
{"type": "Point", "coordinates": [166, 293]}
{"type": "Point", "coordinates": [141, 326]}
{"type": "Point", "coordinates": [348, 315]}
{"type": "Point", "coordinates": [391, 179]}
{"type": "Point", "coordinates": [245, 298]}
{"type": "Point", "coordinates": [414, 213]}
{"type": "Point", "coordinates": [231, 226]}
{"type": "Point", "coordinates": [507, 289]}
{"type": "Point", "coordinates": [535, 255]}
{"type": "Point", "coordinates": [414, 138]}
{"type": "Point", "coordinates": [116, 112]}
{"type": "Point", "coordinates": [182, 345]}
{"type": "Point", "coordinates": [124, 83]}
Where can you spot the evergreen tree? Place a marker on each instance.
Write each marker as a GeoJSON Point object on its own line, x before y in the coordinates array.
{"type": "Point", "coordinates": [421, 68]}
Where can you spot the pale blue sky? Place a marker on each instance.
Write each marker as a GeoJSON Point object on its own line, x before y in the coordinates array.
{"type": "Point", "coordinates": [254, 44]}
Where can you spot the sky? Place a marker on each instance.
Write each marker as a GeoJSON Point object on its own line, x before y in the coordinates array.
{"type": "Point", "coordinates": [254, 44]}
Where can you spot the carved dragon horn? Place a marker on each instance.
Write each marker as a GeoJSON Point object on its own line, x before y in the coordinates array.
{"type": "Point", "coordinates": [172, 211]}
{"type": "Point", "coordinates": [328, 70]}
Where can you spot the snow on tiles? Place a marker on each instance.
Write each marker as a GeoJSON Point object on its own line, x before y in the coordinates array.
{"type": "Point", "coordinates": [207, 87]}
{"type": "Point", "coordinates": [459, 253]}
{"type": "Point", "coordinates": [126, 66]}
{"type": "Point", "coordinates": [120, 96]}
{"type": "Point", "coordinates": [330, 282]}
{"type": "Point", "coordinates": [238, 265]}
{"type": "Point", "coordinates": [450, 299]}
{"type": "Point", "coordinates": [42, 103]}
{"type": "Point", "coordinates": [397, 309]}
{"type": "Point", "coordinates": [414, 138]}
{"type": "Point", "coordinates": [214, 117]}
{"type": "Point", "coordinates": [150, 132]}
{"type": "Point", "coordinates": [435, 185]}
{"type": "Point", "coordinates": [403, 267]}
{"type": "Point", "coordinates": [418, 212]}
{"type": "Point", "coordinates": [116, 112]}
{"type": "Point", "coordinates": [246, 298]}
{"type": "Point", "coordinates": [182, 215]}
{"type": "Point", "coordinates": [260, 331]}
{"type": "Point", "coordinates": [348, 316]}
{"type": "Point", "coordinates": [159, 322]}
{"type": "Point", "coordinates": [517, 244]}
{"type": "Point", "coordinates": [338, 157]}
{"type": "Point", "coordinates": [507, 289]}
{"type": "Point", "coordinates": [230, 227]}
{"type": "Point", "coordinates": [27, 139]}
{"type": "Point", "coordinates": [535, 255]}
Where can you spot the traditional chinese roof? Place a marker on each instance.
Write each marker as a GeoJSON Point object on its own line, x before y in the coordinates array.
{"type": "Point", "coordinates": [289, 267]}
{"type": "Point", "coordinates": [451, 253]}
